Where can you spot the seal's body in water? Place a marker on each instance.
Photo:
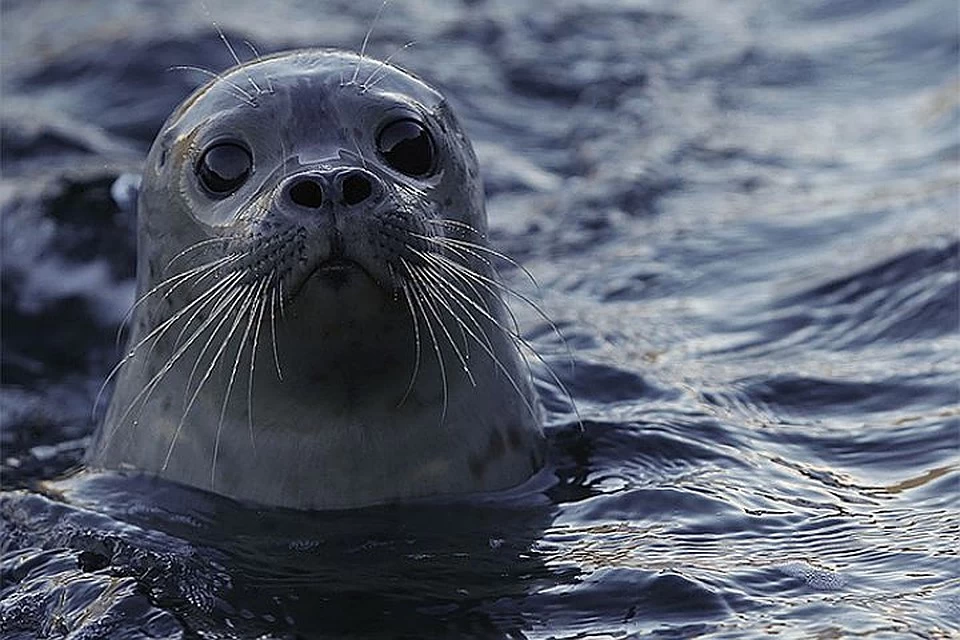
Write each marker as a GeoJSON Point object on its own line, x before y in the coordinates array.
{"type": "Point", "coordinates": [319, 322]}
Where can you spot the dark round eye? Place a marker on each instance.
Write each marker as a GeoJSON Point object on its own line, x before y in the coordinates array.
{"type": "Point", "coordinates": [406, 145]}
{"type": "Point", "coordinates": [224, 167]}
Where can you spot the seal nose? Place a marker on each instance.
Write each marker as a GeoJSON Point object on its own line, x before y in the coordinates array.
{"type": "Point", "coordinates": [348, 187]}
{"type": "Point", "coordinates": [358, 186]}
{"type": "Point", "coordinates": [306, 191]}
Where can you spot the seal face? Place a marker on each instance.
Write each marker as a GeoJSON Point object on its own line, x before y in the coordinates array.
{"type": "Point", "coordinates": [319, 322]}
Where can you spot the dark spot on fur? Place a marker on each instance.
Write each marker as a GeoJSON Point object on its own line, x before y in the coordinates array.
{"type": "Point", "coordinates": [496, 448]}
{"type": "Point", "coordinates": [514, 438]}
{"type": "Point", "coordinates": [534, 461]}
{"type": "Point", "coordinates": [477, 467]}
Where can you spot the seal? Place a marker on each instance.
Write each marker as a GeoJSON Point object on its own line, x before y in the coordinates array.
{"type": "Point", "coordinates": [320, 323]}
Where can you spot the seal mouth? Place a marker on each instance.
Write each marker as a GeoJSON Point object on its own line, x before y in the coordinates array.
{"type": "Point", "coordinates": [337, 272]}
{"type": "Point", "coordinates": [335, 265]}
{"type": "Point", "coordinates": [337, 269]}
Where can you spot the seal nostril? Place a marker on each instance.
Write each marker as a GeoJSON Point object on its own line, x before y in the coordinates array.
{"type": "Point", "coordinates": [307, 193]}
{"type": "Point", "coordinates": [356, 189]}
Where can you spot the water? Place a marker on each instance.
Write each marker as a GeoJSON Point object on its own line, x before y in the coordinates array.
{"type": "Point", "coordinates": [743, 216]}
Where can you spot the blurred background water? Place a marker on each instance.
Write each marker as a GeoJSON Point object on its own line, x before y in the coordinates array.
{"type": "Point", "coordinates": [744, 218]}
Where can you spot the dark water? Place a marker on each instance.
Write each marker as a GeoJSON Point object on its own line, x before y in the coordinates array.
{"type": "Point", "coordinates": [744, 217]}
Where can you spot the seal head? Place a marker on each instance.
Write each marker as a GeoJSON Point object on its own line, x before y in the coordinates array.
{"type": "Point", "coordinates": [319, 321]}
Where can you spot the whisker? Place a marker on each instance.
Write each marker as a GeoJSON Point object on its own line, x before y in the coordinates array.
{"type": "Point", "coordinates": [366, 39]}
{"type": "Point", "coordinates": [485, 344]}
{"type": "Point", "coordinates": [226, 42]}
{"type": "Point", "coordinates": [241, 289]}
{"type": "Point", "coordinates": [471, 247]}
{"type": "Point", "coordinates": [475, 250]}
{"type": "Point", "coordinates": [152, 384]}
{"type": "Point", "coordinates": [462, 272]}
{"type": "Point", "coordinates": [436, 347]}
{"type": "Point", "coordinates": [259, 58]}
{"type": "Point", "coordinates": [479, 298]}
{"type": "Point", "coordinates": [237, 301]}
{"type": "Point", "coordinates": [454, 267]}
{"type": "Point", "coordinates": [248, 309]}
{"type": "Point", "coordinates": [244, 96]}
{"type": "Point", "coordinates": [430, 272]}
{"type": "Point", "coordinates": [430, 294]}
{"type": "Point", "coordinates": [186, 325]}
{"type": "Point", "coordinates": [502, 287]}
{"type": "Point", "coordinates": [226, 302]}
{"type": "Point", "coordinates": [381, 69]}
{"type": "Point", "coordinates": [461, 253]}
{"type": "Point", "coordinates": [158, 332]}
{"type": "Point", "coordinates": [273, 326]}
{"type": "Point", "coordinates": [236, 58]}
{"type": "Point", "coordinates": [416, 339]}
{"type": "Point", "coordinates": [194, 247]}
{"type": "Point", "coordinates": [262, 305]}
{"type": "Point", "coordinates": [446, 222]}
{"type": "Point", "coordinates": [176, 281]}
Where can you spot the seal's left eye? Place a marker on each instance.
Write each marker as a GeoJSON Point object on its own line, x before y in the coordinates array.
{"type": "Point", "coordinates": [406, 145]}
{"type": "Point", "coordinates": [224, 167]}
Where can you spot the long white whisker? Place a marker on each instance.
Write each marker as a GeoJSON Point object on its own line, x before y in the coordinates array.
{"type": "Point", "coordinates": [256, 54]}
{"type": "Point", "coordinates": [502, 287]}
{"type": "Point", "coordinates": [416, 339]}
{"type": "Point", "coordinates": [485, 343]}
{"type": "Point", "coordinates": [456, 224]}
{"type": "Point", "coordinates": [436, 347]}
{"type": "Point", "coordinates": [225, 304]}
{"type": "Point", "coordinates": [248, 309]}
{"type": "Point", "coordinates": [428, 271]}
{"type": "Point", "coordinates": [243, 288]}
{"type": "Point", "coordinates": [174, 282]}
{"type": "Point", "coordinates": [462, 272]}
{"type": "Point", "coordinates": [381, 69]}
{"type": "Point", "coordinates": [262, 305]}
{"type": "Point", "coordinates": [275, 301]}
{"type": "Point", "coordinates": [186, 325]}
{"type": "Point", "coordinates": [469, 275]}
{"type": "Point", "coordinates": [472, 247]}
{"type": "Point", "coordinates": [428, 295]}
{"type": "Point", "coordinates": [152, 384]}
{"type": "Point", "coordinates": [194, 247]}
{"type": "Point", "coordinates": [244, 96]}
{"type": "Point", "coordinates": [158, 332]}
{"type": "Point", "coordinates": [233, 52]}
{"type": "Point", "coordinates": [366, 39]}
{"type": "Point", "coordinates": [475, 250]}
{"type": "Point", "coordinates": [238, 301]}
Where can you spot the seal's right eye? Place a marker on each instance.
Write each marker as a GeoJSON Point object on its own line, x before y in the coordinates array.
{"type": "Point", "coordinates": [224, 167]}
